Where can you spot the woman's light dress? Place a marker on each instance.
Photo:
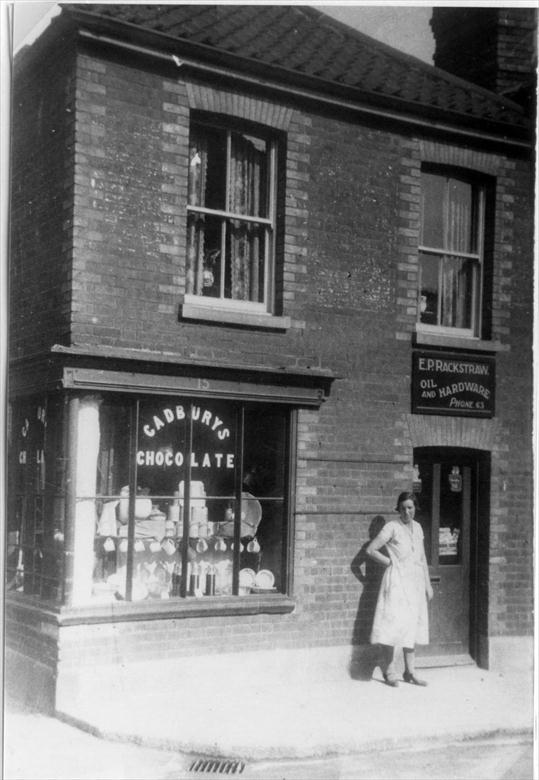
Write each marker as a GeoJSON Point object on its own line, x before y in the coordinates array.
{"type": "Point", "coordinates": [401, 618]}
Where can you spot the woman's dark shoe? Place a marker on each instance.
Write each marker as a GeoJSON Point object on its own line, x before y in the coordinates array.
{"type": "Point", "coordinates": [391, 679]}
{"type": "Point", "coordinates": [409, 677]}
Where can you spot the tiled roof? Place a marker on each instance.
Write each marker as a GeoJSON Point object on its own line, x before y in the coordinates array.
{"type": "Point", "coordinates": [300, 43]}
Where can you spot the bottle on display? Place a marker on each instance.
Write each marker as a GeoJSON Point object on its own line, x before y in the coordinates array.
{"type": "Point", "coordinates": [174, 514]}
{"type": "Point", "coordinates": [210, 581]}
{"type": "Point", "coordinates": [194, 579]}
{"type": "Point", "coordinates": [176, 580]}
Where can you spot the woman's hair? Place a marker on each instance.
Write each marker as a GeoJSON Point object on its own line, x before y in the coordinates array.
{"type": "Point", "coordinates": [377, 523]}
{"type": "Point", "coordinates": [405, 496]}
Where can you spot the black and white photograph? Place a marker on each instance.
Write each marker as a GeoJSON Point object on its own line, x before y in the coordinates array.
{"type": "Point", "coordinates": [269, 278]}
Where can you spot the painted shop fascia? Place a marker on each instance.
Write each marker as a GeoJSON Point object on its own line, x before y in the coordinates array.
{"type": "Point", "coordinates": [254, 306]}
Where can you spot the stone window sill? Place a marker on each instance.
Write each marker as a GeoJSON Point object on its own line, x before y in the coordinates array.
{"type": "Point", "coordinates": [214, 313]}
{"type": "Point", "coordinates": [124, 612]}
{"type": "Point", "coordinates": [434, 339]}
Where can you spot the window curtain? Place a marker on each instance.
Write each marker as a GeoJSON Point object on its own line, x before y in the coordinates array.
{"type": "Point", "coordinates": [246, 170]}
{"type": "Point", "coordinates": [198, 167]}
{"type": "Point", "coordinates": [456, 272]}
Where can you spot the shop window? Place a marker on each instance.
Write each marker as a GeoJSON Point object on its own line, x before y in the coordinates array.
{"type": "Point", "coordinates": [452, 277]}
{"type": "Point", "coordinates": [179, 499]}
{"type": "Point", "coordinates": [231, 217]}
{"type": "Point", "coordinates": [36, 498]}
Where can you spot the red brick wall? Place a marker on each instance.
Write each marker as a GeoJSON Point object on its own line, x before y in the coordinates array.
{"type": "Point", "coordinates": [42, 199]}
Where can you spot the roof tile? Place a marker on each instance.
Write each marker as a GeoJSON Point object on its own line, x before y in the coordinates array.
{"type": "Point", "coordinates": [303, 40]}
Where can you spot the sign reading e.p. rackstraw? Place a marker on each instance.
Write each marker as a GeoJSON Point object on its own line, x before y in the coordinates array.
{"type": "Point", "coordinates": [444, 383]}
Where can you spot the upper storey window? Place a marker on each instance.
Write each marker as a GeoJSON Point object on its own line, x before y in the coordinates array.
{"type": "Point", "coordinates": [231, 216]}
{"type": "Point", "coordinates": [451, 274]}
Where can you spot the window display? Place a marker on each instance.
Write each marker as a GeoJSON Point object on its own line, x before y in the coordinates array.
{"type": "Point", "coordinates": [168, 497]}
{"type": "Point", "coordinates": [206, 513]}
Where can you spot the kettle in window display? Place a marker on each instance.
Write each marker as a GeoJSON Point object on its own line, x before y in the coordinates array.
{"type": "Point", "coordinates": [251, 514]}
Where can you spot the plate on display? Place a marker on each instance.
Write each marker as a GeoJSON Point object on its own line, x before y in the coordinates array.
{"type": "Point", "coordinates": [247, 578]}
{"type": "Point", "coordinates": [264, 579]}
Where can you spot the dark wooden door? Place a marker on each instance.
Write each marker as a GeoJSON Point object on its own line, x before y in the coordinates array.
{"type": "Point", "coordinates": [446, 501]}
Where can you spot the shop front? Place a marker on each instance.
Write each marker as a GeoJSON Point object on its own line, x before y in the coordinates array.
{"type": "Point", "coordinates": [151, 496]}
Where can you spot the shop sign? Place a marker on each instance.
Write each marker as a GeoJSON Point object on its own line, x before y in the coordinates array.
{"type": "Point", "coordinates": [155, 453]}
{"type": "Point", "coordinates": [447, 383]}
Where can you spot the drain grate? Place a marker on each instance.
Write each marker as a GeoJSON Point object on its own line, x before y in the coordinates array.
{"type": "Point", "coordinates": [217, 766]}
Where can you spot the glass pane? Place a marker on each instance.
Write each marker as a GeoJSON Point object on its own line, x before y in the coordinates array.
{"type": "Point", "coordinates": [161, 465]}
{"type": "Point", "coordinates": [204, 255]}
{"type": "Point", "coordinates": [429, 288]}
{"type": "Point", "coordinates": [35, 518]}
{"type": "Point", "coordinates": [265, 468]}
{"type": "Point", "coordinates": [207, 167]}
{"type": "Point", "coordinates": [248, 176]}
{"type": "Point", "coordinates": [458, 282]}
{"type": "Point", "coordinates": [432, 210]}
{"type": "Point", "coordinates": [459, 217]}
{"type": "Point", "coordinates": [111, 489]}
{"type": "Point", "coordinates": [164, 466]}
{"type": "Point", "coordinates": [211, 522]}
{"type": "Point", "coordinates": [450, 541]}
{"type": "Point", "coordinates": [244, 279]}
{"type": "Point", "coordinates": [422, 487]}
{"type": "Point", "coordinates": [448, 214]}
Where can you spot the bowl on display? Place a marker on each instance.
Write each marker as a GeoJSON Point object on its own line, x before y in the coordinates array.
{"type": "Point", "coordinates": [264, 579]}
{"type": "Point", "coordinates": [247, 578]}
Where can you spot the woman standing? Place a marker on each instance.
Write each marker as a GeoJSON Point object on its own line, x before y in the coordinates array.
{"type": "Point", "coordinates": [401, 617]}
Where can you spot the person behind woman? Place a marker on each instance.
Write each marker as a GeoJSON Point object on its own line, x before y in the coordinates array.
{"type": "Point", "coordinates": [401, 616]}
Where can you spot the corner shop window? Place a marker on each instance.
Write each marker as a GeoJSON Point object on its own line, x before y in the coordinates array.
{"type": "Point", "coordinates": [178, 498]}
{"type": "Point", "coordinates": [231, 215]}
{"type": "Point", "coordinates": [451, 253]}
{"type": "Point", "coordinates": [36, 497]}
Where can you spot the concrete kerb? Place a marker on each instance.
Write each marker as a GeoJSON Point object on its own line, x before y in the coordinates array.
{"type": "Point", "coordinates": [253, 755]}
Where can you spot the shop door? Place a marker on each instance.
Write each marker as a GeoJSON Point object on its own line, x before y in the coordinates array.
{"type": "Point", "coordinates": [446, 492]}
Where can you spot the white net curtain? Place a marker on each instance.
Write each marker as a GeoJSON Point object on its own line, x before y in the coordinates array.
{"type": "Point", "coordinates": [227, 174]}
{"type": "Point", "coordinates": [198, 166]}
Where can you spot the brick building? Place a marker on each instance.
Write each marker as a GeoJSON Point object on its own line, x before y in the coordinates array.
{"type": "Point", "coordinates": [266, 273]}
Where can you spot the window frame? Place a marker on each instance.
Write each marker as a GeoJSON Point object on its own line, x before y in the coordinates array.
{"type": "Point", "coordinates": [268, 223]}
{"type": "Point", "coordinates": [479, 207]}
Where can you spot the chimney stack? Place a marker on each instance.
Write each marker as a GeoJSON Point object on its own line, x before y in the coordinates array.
{"type": "Point", "coordinates": [495, 48]}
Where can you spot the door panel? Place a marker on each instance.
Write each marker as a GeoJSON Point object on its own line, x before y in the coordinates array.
{"type": "Point", "coordinates": [445, 512]}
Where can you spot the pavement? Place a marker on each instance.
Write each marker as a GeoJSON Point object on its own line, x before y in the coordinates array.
{"type": "Point", "coordinates": [62, 752]}
{"type": "Point", "coordinates": [257, 718]}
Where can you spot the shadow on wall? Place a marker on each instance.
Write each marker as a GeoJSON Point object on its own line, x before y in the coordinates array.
{"type": "Point", "coordinates": [365, 657]}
